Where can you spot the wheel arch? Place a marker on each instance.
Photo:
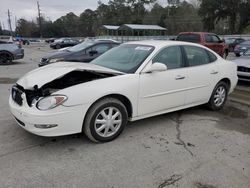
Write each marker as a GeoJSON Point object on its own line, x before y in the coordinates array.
{"type": "Point", "coordinates": [125, 100]}
{"type": "Point", "coordinates": [7, 52]}
{"type": "Point", "coordinates": [227, 81]}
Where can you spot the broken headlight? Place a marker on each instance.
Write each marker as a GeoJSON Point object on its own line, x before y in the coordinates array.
{"type": "Point", "coordinates": [50, 102]}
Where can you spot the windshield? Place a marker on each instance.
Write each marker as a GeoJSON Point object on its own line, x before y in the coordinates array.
{"type": "Point", "coordinates": [59, 40]}
{"type": "Point", "coordinates": [80, 46]}
{"type": "Point", "coordinates": [125, 58]}
{"type": "Point", "coordinates": [230, 40]}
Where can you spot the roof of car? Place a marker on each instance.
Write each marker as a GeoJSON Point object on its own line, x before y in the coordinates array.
{"type": "Point", "coordinates": [162, 43]}
{"type": "Point", "coordinates": [199, 33]}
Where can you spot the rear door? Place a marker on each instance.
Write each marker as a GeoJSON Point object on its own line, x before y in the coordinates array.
{"type": "Point", "coordinates": [202, 74]}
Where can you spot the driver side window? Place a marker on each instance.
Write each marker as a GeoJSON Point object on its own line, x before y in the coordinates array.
{"type": "Point", "coordinates": [170, 56]}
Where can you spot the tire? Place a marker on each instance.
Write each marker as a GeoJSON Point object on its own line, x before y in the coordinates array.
{"type": "Point", "coordinates": [237, 55]}
{"type": "Point", "coordinates": [58, 46]}
{"type": "Point", "coordinates": [218, 97]}
{"type": "Point", "coordinates": [5, 58]}
{"type": "Point", "coordinates": [225, 54]}
{"type": "Point", "coordinates": [108, 129]}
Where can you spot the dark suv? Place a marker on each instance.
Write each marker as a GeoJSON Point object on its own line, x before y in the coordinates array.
{"type": "Point", "coordinates": [209, 40]}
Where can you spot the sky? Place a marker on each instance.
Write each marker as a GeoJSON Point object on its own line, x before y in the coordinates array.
{"type": "Point", "coordinates": [53, 9]}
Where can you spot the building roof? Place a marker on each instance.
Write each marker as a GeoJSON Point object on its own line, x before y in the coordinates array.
{"type": "Point", "coordinates": [111, 27]}
{"type": "Point", "coordinates": [141, 27]}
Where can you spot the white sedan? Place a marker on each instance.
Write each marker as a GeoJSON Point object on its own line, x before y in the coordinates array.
{"type": "Point", "coordinates": [133, 81]}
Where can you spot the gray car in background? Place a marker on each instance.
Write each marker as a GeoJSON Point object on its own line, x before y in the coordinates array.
{"type": "Point", "coordinates": [243, 64]}
{"type": "Point", "coordinates": [10, 52]}
{"type": "Point", "coordinates": [241, 48]}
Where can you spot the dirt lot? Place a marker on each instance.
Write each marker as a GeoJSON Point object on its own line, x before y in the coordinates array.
{"type": "Point", "coordinates": [193, 148]}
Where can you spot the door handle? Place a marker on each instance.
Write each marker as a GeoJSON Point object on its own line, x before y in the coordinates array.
{"type": "Point", "coordinates": [214, 72]}
{"type": "Point", "coordinates": [179, 77]}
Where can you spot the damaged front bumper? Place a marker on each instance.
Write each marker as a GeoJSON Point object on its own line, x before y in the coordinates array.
{"type": "Point", "coordinates": [55, 122]}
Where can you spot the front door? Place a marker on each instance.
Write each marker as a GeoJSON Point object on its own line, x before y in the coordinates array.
{"type": "Point", "coordinates": [160, 91]}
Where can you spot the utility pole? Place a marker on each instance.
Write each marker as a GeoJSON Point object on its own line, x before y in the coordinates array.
{"type": "Point", "coordinates": [9, 22]}
{"type": "Point", "coordinates": [39, 19]}
{"type": "Point", "coordinates": [15, 22]}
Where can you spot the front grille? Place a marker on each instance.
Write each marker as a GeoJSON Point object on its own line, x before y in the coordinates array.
{"type": "Point", "coordinates": [244, 77]}
{"type": "Point", "coordinates": [20, 122]}
{"type": "Point", "coordinates": [243, 69]}
{"type": "Point", "coordinates": [17, 95]}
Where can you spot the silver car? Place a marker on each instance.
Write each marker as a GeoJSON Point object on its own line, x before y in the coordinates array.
{"type": "Point", "coordinates": [243, 64]}
{"type": "Point", "coordinates": [9, 52]}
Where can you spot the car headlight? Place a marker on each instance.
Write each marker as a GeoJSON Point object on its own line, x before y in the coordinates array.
{"type": "Point", "coordinates": [50, 102]}
{"type": "Point", "coordinates": [55, 60]}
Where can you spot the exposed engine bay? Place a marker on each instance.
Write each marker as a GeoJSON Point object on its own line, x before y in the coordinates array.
{"type": "Point", "coordinates": [70, 79]}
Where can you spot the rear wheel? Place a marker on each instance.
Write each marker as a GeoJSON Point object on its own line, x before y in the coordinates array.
{"type": "Point", "coordinates": [219, 96]}
{"type": "Point", "coordinates": [105, 120]}
{"type": "Point", "coordinates": [5, 58]}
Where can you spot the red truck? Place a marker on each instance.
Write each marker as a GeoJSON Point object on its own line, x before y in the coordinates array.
{"type": "Point", "coordinates": [210, 40]}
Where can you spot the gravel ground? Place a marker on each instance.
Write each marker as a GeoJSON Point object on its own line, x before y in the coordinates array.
{"type": "Point", "coordinates": [193, 148]}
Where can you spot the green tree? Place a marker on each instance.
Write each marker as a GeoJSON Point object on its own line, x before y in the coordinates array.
{"type": "Point", "coordinates": [234, 13]}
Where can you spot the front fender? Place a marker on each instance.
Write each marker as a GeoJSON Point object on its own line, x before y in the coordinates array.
{"type": "Point", "coordinates": [89, 92]}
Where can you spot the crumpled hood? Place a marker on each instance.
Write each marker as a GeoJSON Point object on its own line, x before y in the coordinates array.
{"type": "Point", "coordinates": [243, 61]}
{"type": "Point", "coordinates": [43, 75]}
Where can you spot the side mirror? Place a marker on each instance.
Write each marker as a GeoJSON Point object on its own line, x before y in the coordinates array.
{"type": "Point", "coordinates": [92, 52]}
{"type": "Point", "coordinates": [156, 67]}
{"type": "Point", "coordinates": [222, 41]}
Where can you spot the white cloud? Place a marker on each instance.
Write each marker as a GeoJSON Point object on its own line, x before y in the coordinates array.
{"type": "Point", "coordinates": [52, 9]}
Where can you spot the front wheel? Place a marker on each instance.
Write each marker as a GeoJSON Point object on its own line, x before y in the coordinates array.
{"type": "Point", "coordinates": [5, 58]}
{"type": "Point", "coordinates": [219, 96]}
{"type": "Point", "coordinates": [105, 120]}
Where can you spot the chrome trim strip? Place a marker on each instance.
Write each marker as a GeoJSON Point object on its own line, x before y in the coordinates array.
{"type": "Point", "coordinates": [174, 91]}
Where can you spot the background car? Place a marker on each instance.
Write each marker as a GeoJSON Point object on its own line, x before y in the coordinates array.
{"type": "Point", "coordinates": [63, 42]}
{"type": "Point", "coordinates": [241, 48]}
{"type": "Point", "coordinates": [83, 52]}
{"type": "Point", "coordinates": [232, 42]}
{"type": "Point", "coordinates": [243, 64]}
{"type": "Point", "coordinates": [133, 81]}
{"type": "Point", "coordinates": [50, 40]}
{"type": "Point", "coordinates": [210, 40]}
{"type": "Point", "coordinates": [6, 38]}
{"type": "Point", "coordinates": [25, 41]}
{"type": "Point", "coordinates": [9, 52]}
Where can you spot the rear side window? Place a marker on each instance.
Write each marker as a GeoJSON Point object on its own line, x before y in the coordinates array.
{"type": "Point", "coordinates": [189, 38]}
{"type": "Point", "coordinates": [196, 56]}
{"type": "Point", "coordinates": [212, 57]}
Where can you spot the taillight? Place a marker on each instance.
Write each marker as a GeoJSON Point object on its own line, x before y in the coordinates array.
{"type": "Point", "coordinates": [236, 47]}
